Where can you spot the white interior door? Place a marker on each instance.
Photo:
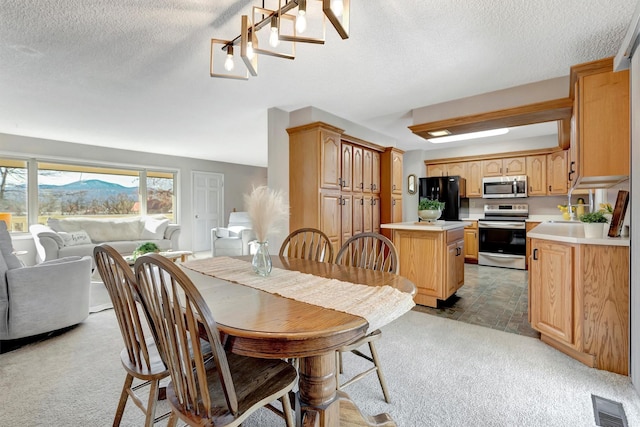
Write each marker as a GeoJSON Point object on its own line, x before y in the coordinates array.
{"type": "Point", "coordinates": [208, 207]}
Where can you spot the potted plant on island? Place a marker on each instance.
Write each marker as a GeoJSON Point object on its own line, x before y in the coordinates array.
{"type": "Point", "coordinates": [593, 224]}
{"type": "Point", "coordinates": [430, 210]}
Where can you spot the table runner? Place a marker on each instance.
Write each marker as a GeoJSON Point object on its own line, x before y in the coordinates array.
{"type": "Point", "coordinates": [379, 305]}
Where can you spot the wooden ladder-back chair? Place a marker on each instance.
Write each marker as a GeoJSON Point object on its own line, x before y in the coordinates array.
{"type": "Point", "coordinates": [308, 243]}
{"type": "Point", "coordinates": [140, 357]}
{"type": "Point", "coordinates": [375, 252]}
{"type": "Point", "coordinates": [222, 390]}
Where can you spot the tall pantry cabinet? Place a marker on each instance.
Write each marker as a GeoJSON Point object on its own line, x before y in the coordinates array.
{"type": "Point", "coordinates": [336, 182]}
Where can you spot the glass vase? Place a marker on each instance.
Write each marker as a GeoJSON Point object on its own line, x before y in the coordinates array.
{"type": "Point", "coordinates": [261, 262]}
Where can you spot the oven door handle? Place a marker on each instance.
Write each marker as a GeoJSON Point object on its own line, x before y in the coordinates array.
{"type": "Point", "coordinates": [505, 224]}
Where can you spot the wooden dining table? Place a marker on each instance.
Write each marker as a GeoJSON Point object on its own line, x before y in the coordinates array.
{"type": "Point", "coordinates": [261, 324]}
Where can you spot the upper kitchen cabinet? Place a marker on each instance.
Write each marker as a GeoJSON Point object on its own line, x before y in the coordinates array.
{"type": "Point", "coordinates": [548, 174]}
{"type": "Point", "coordinates": [504, 167]}
{"type": "Point", "coordinates": [448, 169]}
{"type": "Point", "coordinates": [474, 178]}
{"type": "Point", "coordinates": [557, 173]}
{"type": "Point", "coordinates": [600, 131]}
{"type": "Point", "coordinates": [537, 175]}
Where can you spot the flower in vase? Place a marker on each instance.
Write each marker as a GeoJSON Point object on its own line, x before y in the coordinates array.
{"type": "Point", "coordinates": [267, 209]}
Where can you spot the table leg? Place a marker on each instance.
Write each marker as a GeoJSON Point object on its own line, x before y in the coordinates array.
{"type": "Point", "coordinates": [320, 405]}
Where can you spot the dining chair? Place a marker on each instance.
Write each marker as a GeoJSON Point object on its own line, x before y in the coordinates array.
{"type": "Point", "coordinates": [375, 252]}
{"type": "Point", "coordinates": [222, 390]}
{"type": "Point", "coordinates": [140, 357]}
{"type": "Point", "coordinates": [308, 243]}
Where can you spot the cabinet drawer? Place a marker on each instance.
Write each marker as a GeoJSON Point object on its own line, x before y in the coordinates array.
{"type": "Point", "coordinates": [453, 235]}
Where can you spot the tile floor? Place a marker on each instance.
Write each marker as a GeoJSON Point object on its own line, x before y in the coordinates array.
{"type": "Point", "coordinates": [491, 296]}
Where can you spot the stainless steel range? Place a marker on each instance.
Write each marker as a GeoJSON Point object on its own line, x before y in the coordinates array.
{"type": "Point", "coordinates": [502, 235]}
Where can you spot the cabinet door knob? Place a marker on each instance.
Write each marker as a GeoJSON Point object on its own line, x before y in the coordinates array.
{"type": "Point", "coordinates": [535, 254]}
{"type": "Point", "coordinates": [549, 188]}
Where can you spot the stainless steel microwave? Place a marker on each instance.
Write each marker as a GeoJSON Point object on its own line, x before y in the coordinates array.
{"type": "Point", "coordinates": [502, 187]}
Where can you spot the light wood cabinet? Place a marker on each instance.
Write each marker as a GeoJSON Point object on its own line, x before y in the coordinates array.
{"type": "Point", "coordinates": [330, 218]}
{"type": "Point", "coordinates": [367, 168]}
{"type": "Point", "coordinates": [530, 225]}
{"type": "Point", "coordinates": [433, 261]}
{"type": "Point", "coordinates": [457, 169]}
{"type": "Point", "coordinates": [396, 172]}
{"type": "Point", "coordinates": [346, 202]}
{"type": "Point", "coordinates": [375, 172]}
{"type": "Point", "coordinates": [391, 182]}
{"type": "Point", "coordinates": [332, 182]}
{"type": "Point", "coordinates": [552, 290]}
{"type": "Point", "coordinates": [437, 170]}
{"type": "Point", "coordinates": [455, 263]}
{"type": "Point", "coordinates": [537, 175]}
{"type": "Point", "coordinates": [579, 301]}
{"type": "Point", "coordinates": [600, 148]}
{"type": "Point", "coordinates": [358, 183]}
{"type": "Point", "coordinates": [504, 167]}
{"type": "Point", "coordinates": [557, 173]}
{"type": "Point", "coordinates": [346, 176]}
{"type": "Point", "coordinates": [471, 243]}
{"type": "Point", "coordinates": [474, 178]}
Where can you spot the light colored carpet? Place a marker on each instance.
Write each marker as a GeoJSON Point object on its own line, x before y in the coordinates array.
{"type": "Point", "coordinates": [440, 373]}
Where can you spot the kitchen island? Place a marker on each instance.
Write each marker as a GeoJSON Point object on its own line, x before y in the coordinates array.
{"type": "Point", "coordinates": [579, 294]}
{"type": "Point", "coordinates": [431, 255]}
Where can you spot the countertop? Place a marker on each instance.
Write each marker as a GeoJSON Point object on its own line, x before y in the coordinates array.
{"type": "Point", "coordinates": [531, 218]}
{"type": "Point", "coordinates": [572, 232]}
{"type": "Point", "coordinates": [424, 226]}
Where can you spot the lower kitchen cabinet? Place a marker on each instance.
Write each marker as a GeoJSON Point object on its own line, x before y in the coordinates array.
{"type": "Point", "coordinates": [579, 301]}
{"type": "Point", "coordinates": [433, 260]}
{"type": "Point", "coordinates": [471, 243]}
{"type": "Point", "coordinates": [530, 225]}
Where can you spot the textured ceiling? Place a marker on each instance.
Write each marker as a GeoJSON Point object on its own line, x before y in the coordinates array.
{"type": "Point", "coordinates": [135, 75]}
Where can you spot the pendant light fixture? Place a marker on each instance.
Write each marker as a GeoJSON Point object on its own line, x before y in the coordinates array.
{"type": "Point", "coordinates": [293, 21]}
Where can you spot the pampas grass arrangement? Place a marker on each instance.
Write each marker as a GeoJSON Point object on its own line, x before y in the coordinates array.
{"type": "Point", "coordinates": [267, 210]}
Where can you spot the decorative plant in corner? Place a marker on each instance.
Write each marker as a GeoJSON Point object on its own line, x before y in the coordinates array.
{"type": "Point", "coordinates": [145, 248]}
{"type": "Point", "coordinates": [268, 211]}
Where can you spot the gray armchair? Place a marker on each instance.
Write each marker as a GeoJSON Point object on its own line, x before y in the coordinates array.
{"type": "Point", "coordinates": [233, 240]}
{"type": "Point", "coordinates": [42, 298]}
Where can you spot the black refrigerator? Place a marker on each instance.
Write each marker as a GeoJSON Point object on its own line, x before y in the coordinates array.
{"type": "Point", "coordinates": [447, 189]}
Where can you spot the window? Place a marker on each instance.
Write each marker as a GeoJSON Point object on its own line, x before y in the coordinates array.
{"type": "Point", "coordinates": [160, 193]}
{"type": "Point", "coordinates": [63, 190]}
{"type": "Point", "coordinates": [13, 194]}
{"type": "Point", "coordinates": [72, 190]}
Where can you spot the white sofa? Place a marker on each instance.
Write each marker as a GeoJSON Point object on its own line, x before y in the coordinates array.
{"type": "Point", "coordinates": [235, 239]}
{"type": "Point", "coordinates": [78, 236]}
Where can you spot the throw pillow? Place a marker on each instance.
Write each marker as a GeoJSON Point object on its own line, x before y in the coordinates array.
{"type": "Point", "coordinates": [75, 238]}
{"type": "Point", "coordinates": [154, 228]}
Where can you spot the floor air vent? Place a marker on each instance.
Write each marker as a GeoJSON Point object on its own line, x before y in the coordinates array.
{"type": "Point", "coordinates": [608, 413]}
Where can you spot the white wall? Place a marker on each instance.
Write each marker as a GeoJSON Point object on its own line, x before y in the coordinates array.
{"type": "Point", "coordinates": [239, 179]}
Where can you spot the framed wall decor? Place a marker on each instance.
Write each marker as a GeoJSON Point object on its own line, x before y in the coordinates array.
{"type": "Point", "coordinates": [412, 184]}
